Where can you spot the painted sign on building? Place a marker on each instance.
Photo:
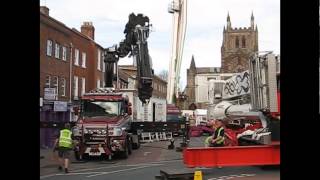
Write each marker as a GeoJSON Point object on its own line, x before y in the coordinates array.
{"type": "Point", "coordinates": [60, 106]}
{"type": "Point", "coordinates": [237, 85]}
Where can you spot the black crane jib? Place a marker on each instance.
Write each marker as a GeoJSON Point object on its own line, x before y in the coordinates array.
{"type": "Point", "coordinates": [135, 42]}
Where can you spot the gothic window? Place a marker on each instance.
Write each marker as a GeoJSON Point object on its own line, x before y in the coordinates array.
{"type": "Point", "coordinates": [237, 42]}
{"type": "Point", "coordinates": [243, 42]}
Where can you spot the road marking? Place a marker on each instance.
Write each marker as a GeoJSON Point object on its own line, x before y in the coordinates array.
{"type": "Point", "coordinates": [122, 170]}
{"type": "Point", "coordinates": [231, 176]}
{"type": "Point", "coordinates": [155, 163]}
{"type": "Point", "coordinates": [146, 153]}
{"type": "Point", "coordinates": [98, 168]}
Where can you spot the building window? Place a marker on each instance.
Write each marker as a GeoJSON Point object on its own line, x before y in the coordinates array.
{"type": "Point", "coordinates": [76, 57]}
{"type": "Point", "coordinates": [84, 57]}
{"type": "Point", "coordinates": [64, 53]}
{"type": "Point", "coordinates": [49, 47]}
{"type": "Point", "coordinates": [56, 85]}
{"type": "Point", "coordinates": [99, 60]}
{"type": "Point", "coordinates": [103, 83]}
{"type": "Point", "coordinates": [75, 86]}
{"type": "Point", "coordinates": [243, 42]}
{"type": "Point", "coordinates": [103, 65]}
{"type": "Point", "coordinates": [57, 51]}
{"type": "Point", "coordinates": [48, 81]}
{"type": "Point", "coordinates": [83, 88]}
{"type": "Point", "coordinates": [237, 42]}
{"type": "Point", "coordinates": [63, 87]}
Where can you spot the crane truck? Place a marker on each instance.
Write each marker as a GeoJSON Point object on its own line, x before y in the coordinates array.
{"type": "Point", "coordinates": [104, 125]}
{"type": "Point", "coordinates": [252, 119]}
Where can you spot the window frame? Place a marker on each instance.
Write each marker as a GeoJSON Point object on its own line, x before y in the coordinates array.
{"type": "Point", "coordinates": [56, 85]}
{"type": "Point", "coordinates": [76, 57]}
{"type": "Point", "coordinates": [84, 60]}
{"type": "Point", "coordinates": [237, 42]}
{"type": "Point", "coordinates": [63, 87]}
{"type": "Point", "coordinates": [57, 50]}
{"type": "Point", "coordinates": [64, 53]}
{"type": "Point", "coordinates": [99, 60]}
{"type": "Point", "coordinates": [75, 87]}
{"type": "Point", "coordinates": [47, 50]}
{"type": "Point", "coordinates": [47, 84]}
{"type": "Point", "coordinates": [83, 85]}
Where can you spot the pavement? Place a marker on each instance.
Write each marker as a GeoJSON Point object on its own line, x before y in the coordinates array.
{"type": "Point", "coordinates": [144, 164]}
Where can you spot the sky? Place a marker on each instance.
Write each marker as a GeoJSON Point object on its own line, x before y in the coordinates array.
{"type": "Point", "coordinates": [204, 33]}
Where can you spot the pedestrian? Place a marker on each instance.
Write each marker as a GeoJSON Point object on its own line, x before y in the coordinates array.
{"type": "Point", "coordinates": [64, 144]}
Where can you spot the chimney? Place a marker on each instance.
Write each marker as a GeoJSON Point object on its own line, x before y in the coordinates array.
{"type": "Point", "coordinates": [44, 10]}
{"type": "Point", "coordinates": [88, 29]}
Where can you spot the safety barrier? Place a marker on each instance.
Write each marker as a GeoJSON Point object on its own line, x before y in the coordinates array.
{"type": "Point", "coordinates": [155, 136]}
{"type": "Point", "coordinates": [232, 156]}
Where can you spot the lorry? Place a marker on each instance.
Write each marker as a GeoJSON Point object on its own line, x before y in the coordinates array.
{"type": "Point", "coordinates": [251, 118]}
{"type": "Point", "coordinates": [104, 125]}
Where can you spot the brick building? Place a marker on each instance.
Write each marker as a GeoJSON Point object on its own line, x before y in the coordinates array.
{"type": "Point", "coordinates": [71, 64]}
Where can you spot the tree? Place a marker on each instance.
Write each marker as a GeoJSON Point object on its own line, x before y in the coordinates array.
{"type": "Point", "coordinates": [163, 75]}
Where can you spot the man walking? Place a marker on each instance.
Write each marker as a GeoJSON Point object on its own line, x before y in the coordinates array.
{"type": "Point", "coordinates": [64, 144]}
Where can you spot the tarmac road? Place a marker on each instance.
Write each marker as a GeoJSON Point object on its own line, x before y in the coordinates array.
{"type": "Point", "coordinates": [146, 162]}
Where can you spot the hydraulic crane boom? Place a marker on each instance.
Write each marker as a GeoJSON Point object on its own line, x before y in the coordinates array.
{"type": "Point", "coordinates": [135, 42]}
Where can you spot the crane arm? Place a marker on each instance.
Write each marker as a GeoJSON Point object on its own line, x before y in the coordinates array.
{"type": "Point", "coordinates": [135, 42]}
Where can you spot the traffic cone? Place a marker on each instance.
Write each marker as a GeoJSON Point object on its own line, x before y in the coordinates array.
{"type": "Point", "coordinates": [197, 175]}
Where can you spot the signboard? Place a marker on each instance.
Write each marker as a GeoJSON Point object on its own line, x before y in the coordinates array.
{"type": "Point", "coordinates": [60, 106]}
{"type": "Point", "coordinates": [50, 93]}
{"type": "Point", "coordinates": [237, 85]}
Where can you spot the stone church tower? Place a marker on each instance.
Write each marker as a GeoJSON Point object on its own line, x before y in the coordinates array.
{"type": "Point", "coordinates": [191, 84]}
{"type": "Point", "coordinates": [237, 46]}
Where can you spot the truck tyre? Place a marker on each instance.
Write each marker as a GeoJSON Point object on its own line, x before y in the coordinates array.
{"type": "Point", "coordinates": [137, 144]}
{"type": "Point", "coordinates": [125, 154]}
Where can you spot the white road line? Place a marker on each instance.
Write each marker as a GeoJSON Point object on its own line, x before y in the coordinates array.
{"type": "Point", "coordinates": [122, 170]}
{"type": "Point", "coordinates": [80, 170]}
{"type": "Point", "coordinates": [46, 176]}
{"type": "Point", "coordinates": [231, 176]}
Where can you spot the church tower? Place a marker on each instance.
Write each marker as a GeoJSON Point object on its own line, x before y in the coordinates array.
{"type": "Point", "coordinates": [191, 84]}
{"type": "Point", "coordinates": [237, 46]}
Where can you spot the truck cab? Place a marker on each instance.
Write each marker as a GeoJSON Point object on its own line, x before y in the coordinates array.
{"type": "Point", "coordinates": [103, 125]}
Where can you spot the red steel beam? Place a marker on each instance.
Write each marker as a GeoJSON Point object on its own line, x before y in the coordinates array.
{"type": "Point", "coordinates": [232, 156]}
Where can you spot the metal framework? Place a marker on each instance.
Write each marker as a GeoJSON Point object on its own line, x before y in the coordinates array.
{"type": "Point", "coordinates": [179, 10]}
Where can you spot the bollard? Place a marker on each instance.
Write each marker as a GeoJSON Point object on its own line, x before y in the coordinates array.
{"type": "Point", "coordinates": [197, 175]}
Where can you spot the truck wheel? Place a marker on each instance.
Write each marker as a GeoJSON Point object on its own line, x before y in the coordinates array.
{"type": "Point", "coordinates": [125, 153]}
{"type": "Point", "coordinates": [136, 145]}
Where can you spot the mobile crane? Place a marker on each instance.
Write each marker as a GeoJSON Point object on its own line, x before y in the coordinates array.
{"type": "Point", "coordinates": [104, 124]}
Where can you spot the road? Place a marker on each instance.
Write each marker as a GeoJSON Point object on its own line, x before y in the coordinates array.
{"type": "Point", "coordinates": [147, 162]}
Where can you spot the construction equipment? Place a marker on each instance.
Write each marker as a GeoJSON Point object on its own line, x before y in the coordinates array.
{"type": "Point", "coordinates": [179, 10]}
{"type": "Point", "coordinates": [104, 125]}
{"type": "Point", "coordinates": [252, 125]}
